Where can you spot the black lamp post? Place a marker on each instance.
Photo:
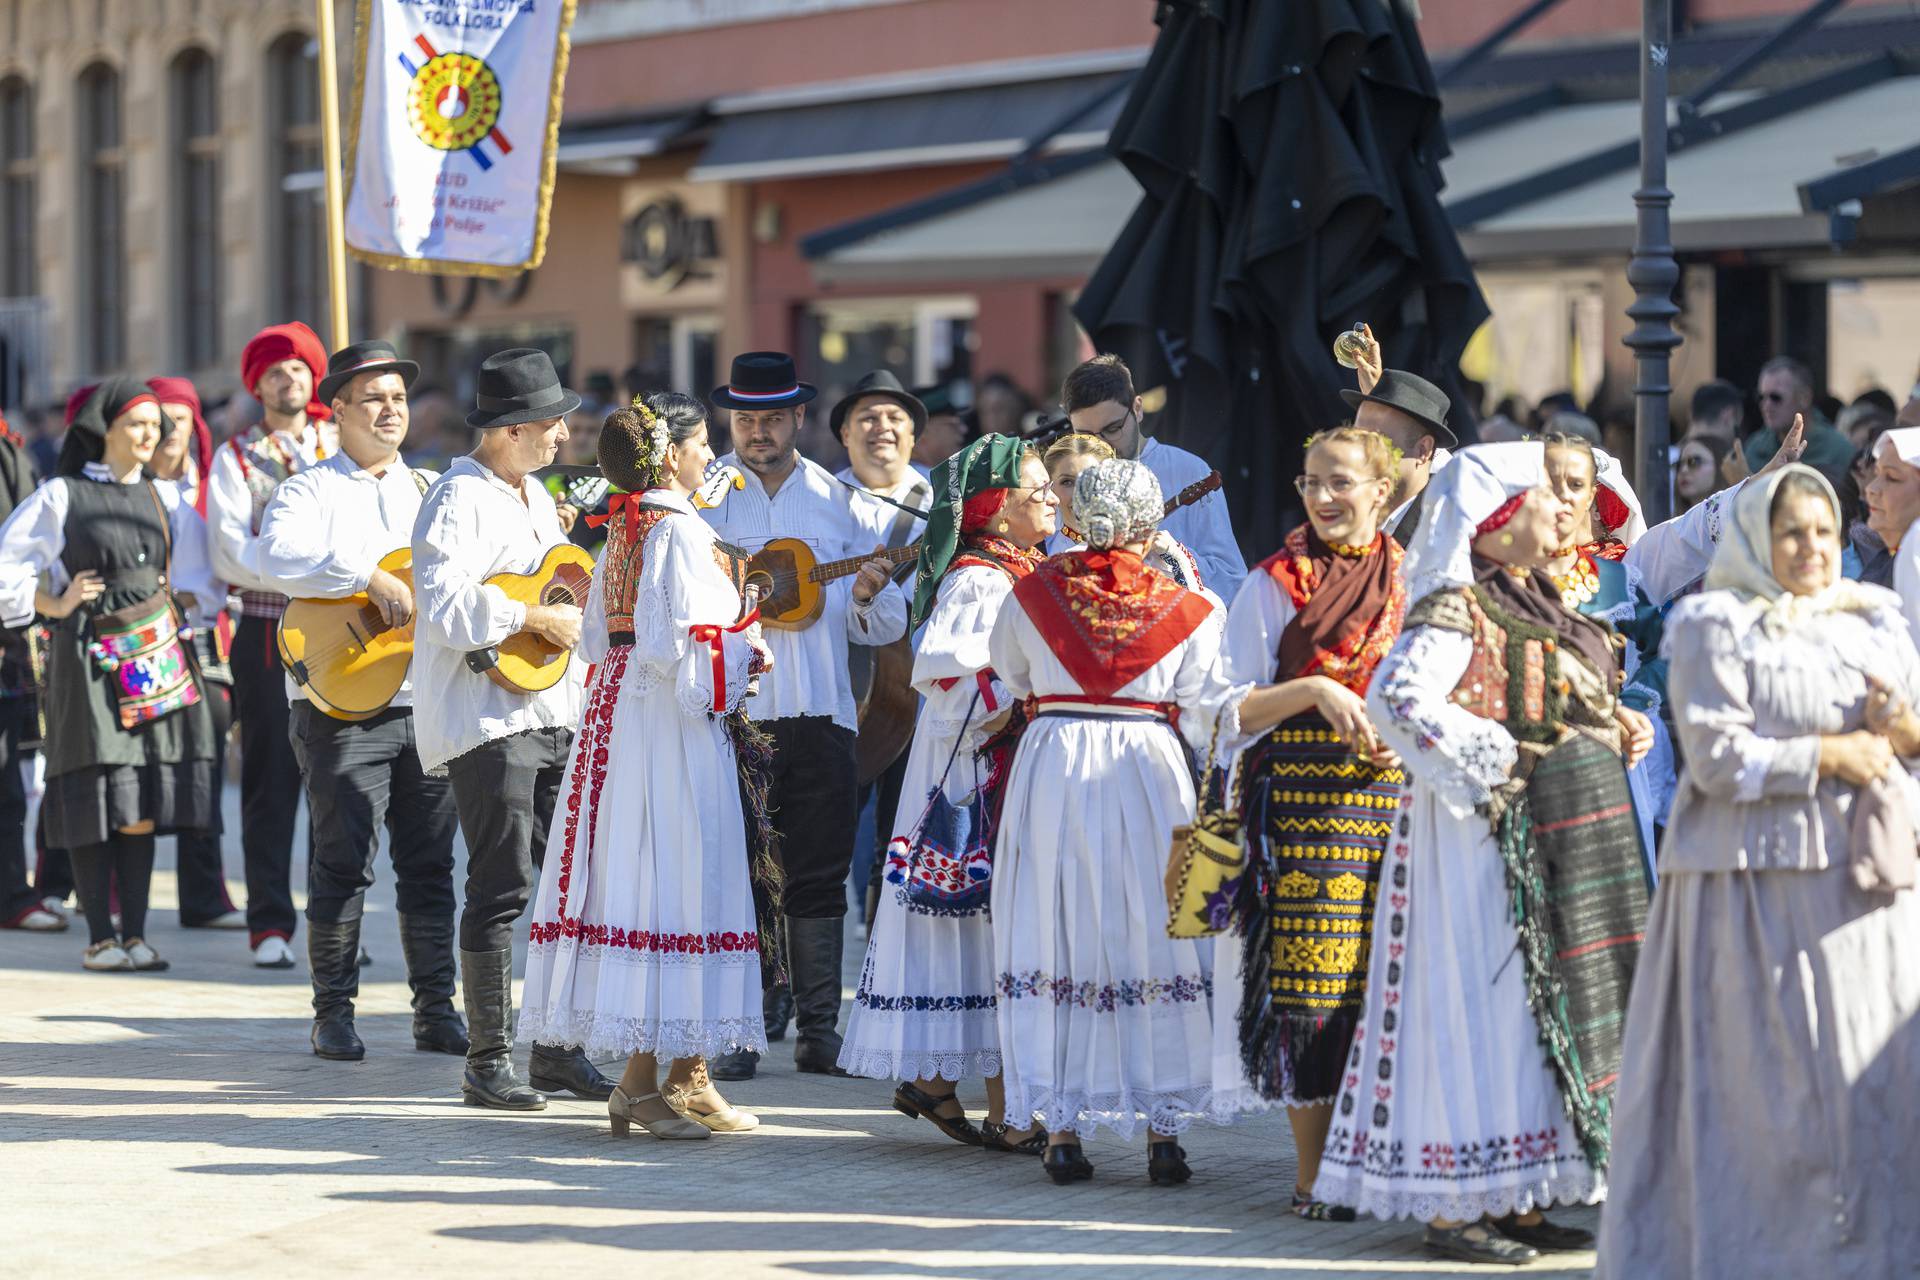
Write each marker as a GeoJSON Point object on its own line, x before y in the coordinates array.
{"type": "Point", "coordinates": [1653, 271]}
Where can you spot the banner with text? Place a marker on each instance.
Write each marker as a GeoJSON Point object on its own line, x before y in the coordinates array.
{"type": "Point", "coordinates": [456, 108]}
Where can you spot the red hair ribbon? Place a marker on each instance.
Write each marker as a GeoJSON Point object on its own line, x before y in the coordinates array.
{"type": "Point", "coordinates": [620, 503]}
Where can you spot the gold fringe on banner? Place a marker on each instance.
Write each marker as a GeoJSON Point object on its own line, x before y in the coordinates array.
{"type": "Point", "coordinates": [549, 159]}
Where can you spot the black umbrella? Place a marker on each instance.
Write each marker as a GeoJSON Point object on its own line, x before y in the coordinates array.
{"type": "Point", "coordinates": [1290, 159]}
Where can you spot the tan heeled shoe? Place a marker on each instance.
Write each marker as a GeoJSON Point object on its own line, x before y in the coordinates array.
{"type": "Point", "coordinates": [623, 1114]}
{"type": "Point", "coordinates": [727, 1119]}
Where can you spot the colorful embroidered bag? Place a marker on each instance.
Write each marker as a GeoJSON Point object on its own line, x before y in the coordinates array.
{"type": "Point", "coordinates": [1206, 863]}
{"type": "Point", "coordinates": [945, 867]}
{"type": "Point", "coordinates": [143, 651]}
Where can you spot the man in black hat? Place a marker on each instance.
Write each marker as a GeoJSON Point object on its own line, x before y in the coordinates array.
{"type": "Point", "coordinates": [505, 752]}
{"type": "Point", "coordinates": [322, 537]}
{"type": "Point", "coordinates": [1411, 412]}
{"type": "Point", "coordinates": [806, 702]}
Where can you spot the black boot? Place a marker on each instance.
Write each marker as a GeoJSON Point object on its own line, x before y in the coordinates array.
{"type": "Point", "coordinates": [486, 979]}
{"type": "Point", "coordinates": [776, 1010]}
{"type": "Point", "coordinates": [426, 942]}
{"type": "Point", "coordinates": [813, 960]}
{"type": "Point", "coordinates": [555, 1069]}
{"type": "Point", "coordinates": [331, 951]}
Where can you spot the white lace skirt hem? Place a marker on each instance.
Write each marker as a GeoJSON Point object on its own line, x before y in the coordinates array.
{"type": "Point", "coordinates": [1577, 1184]}
{"type": "Point", "coordinates": [1071, 1111]}
{"type": "Point", "coordinates": [604, 1035]}
{"type": "Point", "coordinates": [918, 1064]}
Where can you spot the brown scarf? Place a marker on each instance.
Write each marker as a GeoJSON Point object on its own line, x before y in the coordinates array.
{"type": "Point", "coordinates": [1348, 607]}
{"type": "Point", "coordinates": [1535, 599]}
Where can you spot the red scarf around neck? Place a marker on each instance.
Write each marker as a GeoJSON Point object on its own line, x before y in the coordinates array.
{"type": "Point", "coordinates": [1107, 616]}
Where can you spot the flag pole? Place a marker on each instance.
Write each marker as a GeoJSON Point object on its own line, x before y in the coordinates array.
{"type": "Point", "coordinates": [330, 159]}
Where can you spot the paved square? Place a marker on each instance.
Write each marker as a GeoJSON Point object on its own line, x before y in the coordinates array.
{"type": "Point", "coordinates": [177, 1124]}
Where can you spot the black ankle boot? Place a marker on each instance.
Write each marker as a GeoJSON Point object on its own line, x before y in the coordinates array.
{"type": "Point", "coordinates": [331, 951]}
{"type": "Point", "coordinates": [813, 958]}
{"type": "Point", "coordinates": [554, 1069]}
{"type": "Point", "coordinates": [486, 980]}
{"type": "Point", "coordinates": [426, 942]}
{"type": "Point", "coordinates": [741, 1064]}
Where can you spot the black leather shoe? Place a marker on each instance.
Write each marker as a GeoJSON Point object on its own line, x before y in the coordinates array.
{"type": "Point", "coordinates": [911, 1100]}
{"type": "Point", "coordinates": [1548, 1237]}
{"type": "Point", "coordinates": [993, 1136]}
{"type": "Point", "coordinates": [334, 1037]}
{"type": "Point", "coordinates": [1479, 1242]}
{"type": "Point", "coordinates": [818, 1057]}
{"type": "Point", "coordinates": [556, 1070]}
{"type": "Point", "coordinates": [331, 948]}
{"type": "Point", "coordinates": [491, 1083]}
{"type": "Point", "coordinates": [1167, 1164]}
{"type": "Point", "coordinates": [1066, 1163]}
{"type": "Point", "coordinates": [741, 1064]}
{"type": "Point", "coordinates": [441, 1036]}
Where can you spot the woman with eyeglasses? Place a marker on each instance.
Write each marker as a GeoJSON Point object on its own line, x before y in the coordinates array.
{"type": "Point", "coordinates": [1696, 472]}
{"type": "Point", "coordinates": [1315, 617]}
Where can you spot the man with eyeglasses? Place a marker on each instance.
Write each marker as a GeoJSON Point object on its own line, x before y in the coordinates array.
{"type": "Point", "coordinates": [1786, 389]}
{"type": "Point", "coordinates": [1100, 401]}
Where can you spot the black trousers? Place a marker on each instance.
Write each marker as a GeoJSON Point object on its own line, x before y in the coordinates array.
{"type": "Point", "coordinates": [269, 777]}
{"type": "Point", "coordinates": [17, 897]}
{"type": "Point", "coordinates": [362, 776]}
{"type": "Point", "coordinates": [505, 791]}
{"type": "Point", "coordinates": [815, 787]}
{"type": "Point", "coordinates": [203, 877]}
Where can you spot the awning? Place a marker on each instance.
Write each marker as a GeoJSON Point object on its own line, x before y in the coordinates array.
{"type": "Point", "coordinates": [600, 141]}
{"type": "Point", "coordinates": [983, 122]}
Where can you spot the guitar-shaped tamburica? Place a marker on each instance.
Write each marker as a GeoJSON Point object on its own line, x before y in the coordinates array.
{"type": "Point", "coordinates": [343, 654]}
{"type": "Point", "coordinates": [526, 662]}
{"type": "Point", "coordinates": [792, 584]}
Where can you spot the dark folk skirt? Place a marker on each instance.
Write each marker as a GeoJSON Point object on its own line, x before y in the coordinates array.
{"type": "Point", "coordinates": [85, 806]}
{"type": "Point", "coordinates": [1317, 820]}
{"type": "Point", "coordinates": [1578, 880]}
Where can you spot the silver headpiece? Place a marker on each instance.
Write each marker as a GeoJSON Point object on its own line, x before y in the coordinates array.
{"type": "Point", "coordinates": [1116, 501]}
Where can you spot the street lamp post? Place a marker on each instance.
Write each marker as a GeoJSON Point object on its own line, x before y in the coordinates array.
{"type": "Point", "coordinates": [1653, 271]}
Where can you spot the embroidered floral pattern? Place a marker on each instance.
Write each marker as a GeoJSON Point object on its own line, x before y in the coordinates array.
{"type": "Point", "coordinates": [1107, 616]}
{"type": "Point", "coordinates": [1352, 662]}
{"type": "Point", "coordinates": [1105, 997]}
{"type": "Point", "coordinates": [924, 1004]}
{"type": "Point", "coordinates": [688, 944]}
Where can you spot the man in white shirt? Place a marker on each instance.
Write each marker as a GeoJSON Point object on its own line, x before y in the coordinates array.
{"type": "Point", "coordinates": [504, 751]}
{"type": "Point", "coordinates": [1100, 401]}
{"type": "Point", "coordinates": [806, 702]}
{"type": "Point", "coordinates": [323, 536]}
{"type": "Point", "coordinates": [279, 366]}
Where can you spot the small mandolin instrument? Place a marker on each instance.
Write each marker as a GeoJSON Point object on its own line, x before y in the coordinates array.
{"type": "Point", "coordinates": [526, 662]}
{"type": "Point", "coordinates": [343, 654]}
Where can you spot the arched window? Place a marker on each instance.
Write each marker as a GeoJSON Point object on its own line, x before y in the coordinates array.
{"type": "Point", "coordinates": [17, 277]}
{"type": "Point", "coordinates": [102, 205]}
{"type": "Point", "coordinates": [299, 224]}
{"type": "Point", "coordinates": [196, 204]}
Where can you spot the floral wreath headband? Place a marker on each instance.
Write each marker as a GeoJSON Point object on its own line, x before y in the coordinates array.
{"type": "Point", "coordinates": [653, 446]}
{"type": "Point", "coordinates": [1395, 454]}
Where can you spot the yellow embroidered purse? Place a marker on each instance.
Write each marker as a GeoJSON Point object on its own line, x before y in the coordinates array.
{"type": "Point", "coordinates": [1206, 864]}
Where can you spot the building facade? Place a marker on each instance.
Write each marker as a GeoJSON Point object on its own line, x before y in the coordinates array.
{"type": "Point", "coordinates": [160, 191]}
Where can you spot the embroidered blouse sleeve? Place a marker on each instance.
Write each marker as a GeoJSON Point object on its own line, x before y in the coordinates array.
{"type": "Point", "coordinates": [1462, 756]}
{"type": "Point", "coordinates": [1208, 699]}
{"type": "Point", "coordinates": [1260, 611]}
{"type": "Point", "coordinates": [1673, 555]}
{"type": "Point", "coordinates": [953, 643]}
{"type": "Point", "coordinates": [230, 521]}
{"type": "Point", "coordinates": [30, 544]}
{"type": "Point", "coordinates": [1007, 649]}
{"type": "Point", "coordinates": [1709, 679]}
{"type": "Point", "coordinates": [455, 608]}
{"type": "Point", "coordinates": [710, 663]}
{"type": "Point", "coordinates": [191, 571]}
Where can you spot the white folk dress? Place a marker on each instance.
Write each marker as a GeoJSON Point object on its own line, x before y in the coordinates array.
{"type": "Point", "coordinates": [1104, 1019]}
{"type": "Point", "coordinates": [643, 937]}
{"type": "Point", "coordinates": [1449, 1108]}
{"type": "Point", "coordinates": [924, 1009]}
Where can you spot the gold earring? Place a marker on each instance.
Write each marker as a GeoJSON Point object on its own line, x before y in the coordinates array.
{"type": "Point", "coordinates": [1506, 539]}
{"type": "Point", "coordinates": [1001, 528]}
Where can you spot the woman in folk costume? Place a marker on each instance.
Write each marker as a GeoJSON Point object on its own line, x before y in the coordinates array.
{"type": "Point", "coordinates": [1103, 1017]}
{"type": "Point", "coordinates": [130, 745]}
{"type": "Point", "coordinates": [1501, 702]}
{"type": "Point", "coordinates": [1318, 795]}
{"type": "Point", "coordinates": [644, 939]}
{"type": "Point", "coordinates": [924, 1010]}
{"type": "Point", "coordinates": [1073, 453]}
{"type": "Point", "coordinates": [1593, 576]}
{"type": "Point", "coordinates": [1772, 1058]}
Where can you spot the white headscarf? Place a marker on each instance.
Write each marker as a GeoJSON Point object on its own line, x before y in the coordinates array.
{"type": "Point", "coordinates": [1743, 560]}
{"type": "Point", "coordinates": [1478, 481]}
{"type": "Point", "coordinates": [1905, 442]}
{"type": "Point", "coordinates": [1116, 501]}
{"type": "Point", "coordinates": [1607, 473]}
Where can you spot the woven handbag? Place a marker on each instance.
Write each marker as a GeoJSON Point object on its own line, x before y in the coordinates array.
{"type": "Point", "coordinates": [1206, 863]}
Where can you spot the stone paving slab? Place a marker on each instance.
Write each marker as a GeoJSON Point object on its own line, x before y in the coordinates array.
{"type": "Point", "coordinates": [177, 1125]}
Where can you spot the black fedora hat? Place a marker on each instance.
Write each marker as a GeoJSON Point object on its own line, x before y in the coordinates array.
{"type": "Point", "coordinates": [348, 363]}
{"type": "Point", "coordinates": [881, 382]}
{"type": "Point", "coordinates": [519, 385]}
{"type": "Point", "coordinates": [1414, 396]}
{"type": "Point", "coordinates": [763, 380]}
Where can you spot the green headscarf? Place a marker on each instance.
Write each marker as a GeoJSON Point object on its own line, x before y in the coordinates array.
{"type": "Point", "coordinates": [991, 462]}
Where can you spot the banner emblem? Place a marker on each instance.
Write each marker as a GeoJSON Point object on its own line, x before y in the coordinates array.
{"type": "Point", "coordinates": [455, 102]}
